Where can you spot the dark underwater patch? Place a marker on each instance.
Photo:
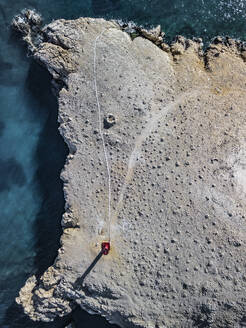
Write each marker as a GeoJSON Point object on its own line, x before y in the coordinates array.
{"type": "Point", "coordinates": [2, 127]}
{"type": "Point", "coordinates": [5, 66]}
{"type": "Point", "coordinates": [11, 173]}
{"type": "Point", "coordinates": [5, 72]}
{"type": "Point", "coordinates": [3, 14]}
{"type": "Point", "coordinates": [100, 7]}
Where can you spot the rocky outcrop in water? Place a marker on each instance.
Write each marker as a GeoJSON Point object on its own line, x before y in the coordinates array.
{"type": "Point", "coordinates": [177, 156]}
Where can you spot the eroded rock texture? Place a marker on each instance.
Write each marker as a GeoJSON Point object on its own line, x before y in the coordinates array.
{"type": "Point", "coordinates": [177, 155]}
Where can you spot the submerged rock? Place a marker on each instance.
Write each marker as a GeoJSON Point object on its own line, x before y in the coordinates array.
{"type": "Point", "coordinates": [177, 163]}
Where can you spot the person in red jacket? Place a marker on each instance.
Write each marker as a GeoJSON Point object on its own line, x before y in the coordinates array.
{"type": "Point", "coordinates": [105, 247]}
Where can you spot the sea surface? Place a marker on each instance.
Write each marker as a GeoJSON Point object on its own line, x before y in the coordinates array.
{"type": "Point", "coordinates": [32, 153]}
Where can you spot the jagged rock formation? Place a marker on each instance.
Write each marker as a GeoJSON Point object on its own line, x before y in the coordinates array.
{"type": "Point", "coordinates": [177, 154]}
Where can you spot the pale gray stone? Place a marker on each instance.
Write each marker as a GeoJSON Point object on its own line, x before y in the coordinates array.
{"type": "Point", "coordinates": [177, 160]}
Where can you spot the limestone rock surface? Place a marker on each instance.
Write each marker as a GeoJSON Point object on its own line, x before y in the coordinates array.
{"type": "Point", "coordinates": [177, 155]}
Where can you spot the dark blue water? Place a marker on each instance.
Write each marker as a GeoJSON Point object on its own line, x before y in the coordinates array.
{"type": "Point", "coordinates": [31, 151]}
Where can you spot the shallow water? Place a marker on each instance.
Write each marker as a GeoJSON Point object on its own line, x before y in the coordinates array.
{"type": "Point", "coordinates": [33, 153]}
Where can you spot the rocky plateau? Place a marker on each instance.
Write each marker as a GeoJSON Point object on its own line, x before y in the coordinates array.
{"type": "Point", "coordinates": [173, 119]}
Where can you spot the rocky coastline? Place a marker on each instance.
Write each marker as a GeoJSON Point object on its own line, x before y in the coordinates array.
{"type": "Point", "coordinates": [177, 159]}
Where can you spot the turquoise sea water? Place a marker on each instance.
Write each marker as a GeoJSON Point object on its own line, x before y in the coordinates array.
{"type": "Point", "coordinates": [31, 151]}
